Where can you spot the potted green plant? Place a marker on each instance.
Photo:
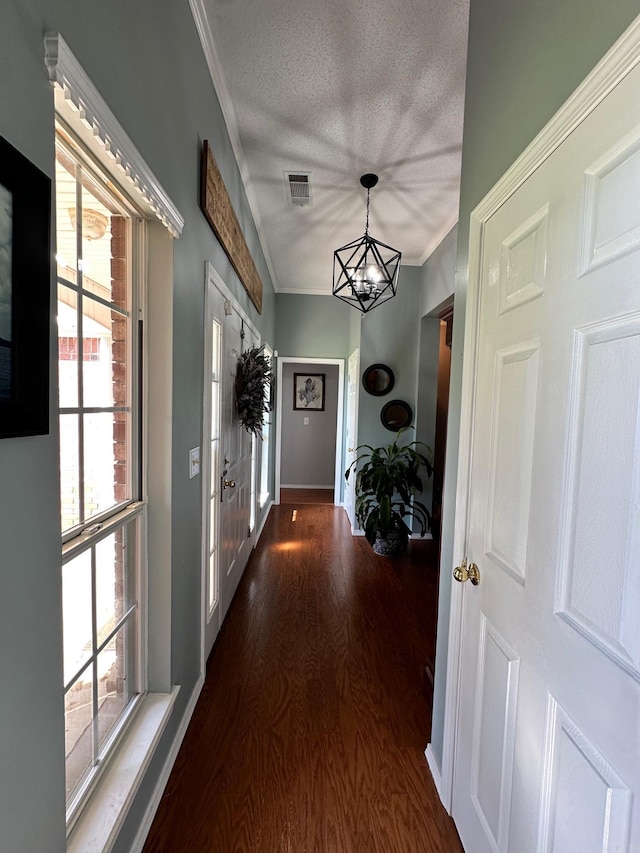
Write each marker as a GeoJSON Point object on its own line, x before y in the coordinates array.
{"type": "Point", "coordinates": [387, 481]}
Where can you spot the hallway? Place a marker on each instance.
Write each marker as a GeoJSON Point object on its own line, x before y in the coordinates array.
{"type": "Point", "coordinates": [309, 734]}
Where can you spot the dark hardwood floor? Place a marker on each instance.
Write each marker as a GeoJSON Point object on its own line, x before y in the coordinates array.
{"type": "Point", "coordinates": [310, 731]}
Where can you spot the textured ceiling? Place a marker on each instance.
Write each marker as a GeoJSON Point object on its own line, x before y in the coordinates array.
{"type": "Point", "coordinates": [339, 88]}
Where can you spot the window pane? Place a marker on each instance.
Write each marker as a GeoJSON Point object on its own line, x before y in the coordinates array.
{"type": "Point", "coordinates": [76, 614]}
{"type": "Point", "coordinates": [213, 580]}
{"type": "Point", "coordinates": [104, 356]}
{"type": "Point", "coordinates": [215, 482]}
{"type": "Point", "coordinates": [67, 347]}
{"type": "Point", "coordinates": [69, 471]}
{"type": "Point", "coordinates": [116, 678]}
{"type": "Point", "coordinates": [215, 351]}
{"type": "Point", "coordinates": [78, 716]}
{"type": "Point", "coordinates": [215, 409]}
{"type": "Point", "coordinates": [213, 522]}
{"type": "Point", "coordinates": [105, 461]}
{"type": "Point", "coordinates": [114, 580]}
{"type": "Point", "coordinates": [104, 245]}
{"type": "Point", "coordinates": [66, 247]}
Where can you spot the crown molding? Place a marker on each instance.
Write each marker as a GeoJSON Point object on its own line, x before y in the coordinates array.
{"type": "Point", "coordinates": [72, 81]}
{"type": "Point", "coordinates": [449, 223]}
{"type": "Point", "coordinates": [612, 68]}
{"type": "Point", "coordinates": [219, 81]}
{"type": "Point", "coordinates": [297, 291]}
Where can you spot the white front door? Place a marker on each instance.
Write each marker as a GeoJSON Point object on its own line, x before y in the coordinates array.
{"type": "Point", "coordinates": [547, 754]}
{"type": "Point", "coordinates": [237, 463]}
{"type": "Point", "coordinates": [211, 458]}
{"type": "Point", "coordinates": [352, 433]}
{"type": "Point", "coordinates": [228, 464]}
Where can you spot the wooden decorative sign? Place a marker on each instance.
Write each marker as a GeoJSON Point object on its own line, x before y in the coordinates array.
{"type": "Point", "coordinates": [216, 206]}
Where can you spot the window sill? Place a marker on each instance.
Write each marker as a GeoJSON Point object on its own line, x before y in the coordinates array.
{"type": "Point", "coordinates": [97, 827]}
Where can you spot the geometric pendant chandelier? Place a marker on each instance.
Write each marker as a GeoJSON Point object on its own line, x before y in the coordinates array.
{"type": "Point", "coordinates": [365, 272]}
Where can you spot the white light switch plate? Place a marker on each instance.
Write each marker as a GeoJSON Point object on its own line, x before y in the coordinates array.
{"type": "Point", "coordinates": [306, 421]}
{"type": "Point", "coordinates": [194, 462]}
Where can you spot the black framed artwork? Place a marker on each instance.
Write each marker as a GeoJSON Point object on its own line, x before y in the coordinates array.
{"type": "Point", "coordinates": [308, 391]}
{"type": "Point", "coordinates": [25, 270]}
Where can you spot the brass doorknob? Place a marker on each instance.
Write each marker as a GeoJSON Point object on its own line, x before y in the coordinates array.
{"type": "Point", "coordinates": [474, 574]}
{"type": "Point", "coordinates": [465, 572]}
{"type": "Point", "coordinates": [229, 484]}
{"type": "Point", "coordinates": [461, 573]}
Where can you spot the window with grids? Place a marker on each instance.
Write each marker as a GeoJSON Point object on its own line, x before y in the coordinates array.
{"type": "Point", "coordinates": [101, 510]}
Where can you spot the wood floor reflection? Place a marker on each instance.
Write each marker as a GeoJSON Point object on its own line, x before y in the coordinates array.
{"type": "Point", "coordinates": [310, 731]}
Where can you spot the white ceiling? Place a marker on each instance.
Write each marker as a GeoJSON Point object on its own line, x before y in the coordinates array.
{"type": "Point", "coordinates": [339, 88]}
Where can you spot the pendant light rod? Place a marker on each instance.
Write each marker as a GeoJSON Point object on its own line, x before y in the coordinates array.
{"type": "Point", "coordinates": [368, 181]}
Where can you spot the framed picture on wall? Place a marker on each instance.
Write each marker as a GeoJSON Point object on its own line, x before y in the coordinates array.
{"type": "Point", "coordinates": [25, 295]}
{"type": "Point", "coordinates": [308, 391]}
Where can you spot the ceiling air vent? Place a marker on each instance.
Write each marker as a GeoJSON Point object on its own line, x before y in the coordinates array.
{"type": "Point", "coordinates": [298, 187]}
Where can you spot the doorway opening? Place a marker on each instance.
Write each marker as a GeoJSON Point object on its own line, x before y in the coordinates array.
{"type": "Point", "coordinates": [309, 440]}
{"type": "Point", "coordinates": [431, 428]}
{"type": "Point", "coordinates": [442, 411]}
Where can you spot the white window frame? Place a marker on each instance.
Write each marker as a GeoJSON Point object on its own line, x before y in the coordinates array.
{"type": "Point", "coordinates": [84, 536]}
{"type": "Point", "coordinates": [80, 105]}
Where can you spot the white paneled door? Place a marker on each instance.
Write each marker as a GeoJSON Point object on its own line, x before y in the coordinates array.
{"type": "Point", "coordinates": [227, 459]}
{"type": "Point", "coordinates": [547, 755]}
{"type": "Point", "coordinates": [211, 456]}
{"type": "Point", "coordinates": [236, 463]}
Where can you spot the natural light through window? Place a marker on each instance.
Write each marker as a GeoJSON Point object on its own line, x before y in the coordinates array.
{"type": "Point", "coordinates": [214, 453]}
{"type": "Point", "coordinates": [99, 481]}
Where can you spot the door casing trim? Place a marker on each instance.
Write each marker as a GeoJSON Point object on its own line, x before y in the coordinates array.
{"type": "Point", "coordinates": [339, 466]}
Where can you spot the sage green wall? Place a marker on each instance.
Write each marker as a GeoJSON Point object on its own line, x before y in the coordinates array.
{"type": "Point", "coordinates": [312, 326]}
{"type": "Point", "coordinates": [389, 334]}
{"type": "Point", "coordinates": [437, 276]}
{"type": "Point", "coordinates": [524, 61]}
{"type": "Point", "coordinates": [145, 59]}
{"type": "Point", "coordinates": [437, 283]}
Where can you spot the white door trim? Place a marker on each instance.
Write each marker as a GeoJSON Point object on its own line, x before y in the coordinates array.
{"type": "Point", "coordinates": [339, 469]}
{"type": "Point", "coordinates": [615, 65]}
{"type": "Point", "coordinates": [350, 456]}
{"type": "Point", "coordinates": [212, 275]}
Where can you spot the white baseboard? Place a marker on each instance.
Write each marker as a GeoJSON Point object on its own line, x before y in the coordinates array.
{"type": "Point", "coordinates": [264, 520]}
{"type": "Point", "coordinates": [435, 770]}
{"type": "Point", "coordinates": [303, 486]}
{"type": "Point", "coordinates": [154, 802]}
{"type": "Point", "coordinates": [360, 532]}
